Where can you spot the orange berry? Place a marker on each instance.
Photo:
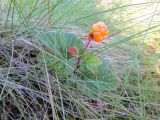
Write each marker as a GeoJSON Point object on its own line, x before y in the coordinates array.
{"type": "Point", "coordinates": [101, 24]}
{"type": "Point", "coordinates": [102, 30]}
{"type": "Point", "coordinates": [95, 28]}
{"type": "Point", "coordinates": [99, 31]}
{"type": "Point", "coordinates": [96, 34]}
{"type": "Point", "coordinates": [99, 39]}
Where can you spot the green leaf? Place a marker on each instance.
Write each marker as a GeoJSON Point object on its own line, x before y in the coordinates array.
{"type": "Point", "coordinates": [94, 88]}
{"type": "Point", "coordinates": [59, 42]}
{"type": "Point", "coordinates": [101, 80]}
{"type": "Point", "coordinates": [91, 62]}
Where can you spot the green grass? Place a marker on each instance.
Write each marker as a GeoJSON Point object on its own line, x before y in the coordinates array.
{"type": "Point", "coordinates": [30, 90]}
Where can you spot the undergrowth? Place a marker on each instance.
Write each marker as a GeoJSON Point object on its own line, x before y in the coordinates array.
{"type": "Point", "coordinates": [33, 85]}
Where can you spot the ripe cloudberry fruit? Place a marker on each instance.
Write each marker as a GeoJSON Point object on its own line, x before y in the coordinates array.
{"type": "Point", "coordinates": [99, 31]}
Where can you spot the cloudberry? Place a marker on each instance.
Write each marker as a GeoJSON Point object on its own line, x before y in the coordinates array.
{"type": "Point", "coordinates": [99, 31]}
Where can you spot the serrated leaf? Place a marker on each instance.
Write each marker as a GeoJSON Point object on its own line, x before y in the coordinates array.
{"type": "Point", "coordinates": [91, 62]}
{"type": "Point", "coordinates": [94, 88]}
{"type": "Point", "coordinates": [59, 42]}
{"type": "Point", "coordinates": [93, 84]}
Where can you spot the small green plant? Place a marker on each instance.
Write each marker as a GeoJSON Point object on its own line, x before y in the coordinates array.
{"type": "Point", "coordinates": [77, 68]}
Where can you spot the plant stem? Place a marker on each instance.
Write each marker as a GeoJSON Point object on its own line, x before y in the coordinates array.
{"type": "Point", "coordinates": [79, 59]}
